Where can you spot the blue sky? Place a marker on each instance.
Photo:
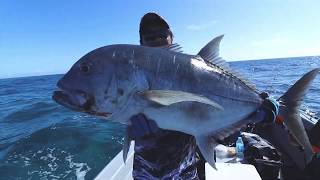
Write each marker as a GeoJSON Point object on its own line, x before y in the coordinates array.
{"type": "Point", "coordinates": [47, 37]}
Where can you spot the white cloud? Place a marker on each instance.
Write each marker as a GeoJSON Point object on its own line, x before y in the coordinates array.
{"type": "Point", "coordinates": [199, 27]}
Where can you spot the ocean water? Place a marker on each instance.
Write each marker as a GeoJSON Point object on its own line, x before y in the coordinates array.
{"type": "Point", "coordinates": [40, 139]}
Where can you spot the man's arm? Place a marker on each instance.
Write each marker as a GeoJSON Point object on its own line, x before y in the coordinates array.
{"type": "Point", "coordinates": [141, 127]}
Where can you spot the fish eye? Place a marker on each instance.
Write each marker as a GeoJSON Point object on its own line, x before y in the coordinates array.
{"type": "Point", "coordinates": [85, 67]}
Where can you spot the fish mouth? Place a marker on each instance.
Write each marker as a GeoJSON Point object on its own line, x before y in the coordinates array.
{"type": "Point", "coordinates": [77, 100]}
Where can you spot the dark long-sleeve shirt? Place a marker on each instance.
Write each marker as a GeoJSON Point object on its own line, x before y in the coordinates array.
{"type": "Point", "coordinates": [165, 155]}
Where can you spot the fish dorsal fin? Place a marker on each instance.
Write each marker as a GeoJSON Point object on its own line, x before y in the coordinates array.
{"type": "Point", "coordinates": [168, 97]}
{"type": "Point", "coordinates": [173, 47]}
{"type": "Point", "coordinates": [242, 78]}
{"type": "Point", "coordinates": [210, 52]}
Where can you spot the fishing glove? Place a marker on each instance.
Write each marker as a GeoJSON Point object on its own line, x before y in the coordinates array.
{"type": "Point", "coordinates": [142, 127]}
{"type": "Point", "coordinates": [268, 111]}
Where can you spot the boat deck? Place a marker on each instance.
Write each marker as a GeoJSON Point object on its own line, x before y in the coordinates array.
{"type": "Point", "coordinates": [117, 170]}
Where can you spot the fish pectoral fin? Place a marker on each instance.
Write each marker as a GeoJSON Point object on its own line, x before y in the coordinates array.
{"type": "Point", "coordinates": [169, 97]}
{"type": "Point", "coordinates": [206, 145]}
{"type": "Point", "coordinates": [126, 145]}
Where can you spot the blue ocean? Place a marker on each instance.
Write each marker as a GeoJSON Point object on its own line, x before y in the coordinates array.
{"type": "Point", "coordinates": [40, 139]}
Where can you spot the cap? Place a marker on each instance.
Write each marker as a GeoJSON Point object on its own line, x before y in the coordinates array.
{"type": "Point", "coordinates": [151, 22]}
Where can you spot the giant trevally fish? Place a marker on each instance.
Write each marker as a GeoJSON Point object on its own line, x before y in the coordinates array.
{"type": "Point", "coordinates": [195, 94]}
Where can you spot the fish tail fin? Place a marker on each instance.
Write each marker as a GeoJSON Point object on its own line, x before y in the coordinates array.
{"type": "Point", "coordinates": [290, 110]}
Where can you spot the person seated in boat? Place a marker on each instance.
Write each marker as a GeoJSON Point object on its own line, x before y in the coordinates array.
{"type": "Point", "coordinates": [161, 154]}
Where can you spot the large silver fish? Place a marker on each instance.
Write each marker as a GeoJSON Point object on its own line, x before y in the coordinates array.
{"type": "Point", "coordinates": [195, 94]}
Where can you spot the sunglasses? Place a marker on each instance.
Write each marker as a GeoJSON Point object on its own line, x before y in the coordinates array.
{"type": "Point", "coordinates": [153, 36]}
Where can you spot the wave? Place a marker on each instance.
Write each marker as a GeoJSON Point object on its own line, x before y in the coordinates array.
{"type": "Point", "coordinates": [27, 113]}
{"type": "Point", "coordinates": [61, 152]}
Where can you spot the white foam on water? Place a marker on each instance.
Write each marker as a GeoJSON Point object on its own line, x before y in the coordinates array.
{"type": "Point", "coordinates": [81, 168]}
{"type": "Point", "coordinates": [50, 163]}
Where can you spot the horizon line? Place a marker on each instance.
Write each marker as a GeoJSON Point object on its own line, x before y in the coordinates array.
{"type": "Point", "coordinates": [59, 73]}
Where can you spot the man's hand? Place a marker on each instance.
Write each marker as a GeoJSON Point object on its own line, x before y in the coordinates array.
{"type": "Point", "coordinates": [141, 127]}
{"type": "Point", "coordinates": [268, 111]}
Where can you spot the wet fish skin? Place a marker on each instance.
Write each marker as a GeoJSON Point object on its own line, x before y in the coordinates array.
{"type": "Point", "coordinates": [194, 94]}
